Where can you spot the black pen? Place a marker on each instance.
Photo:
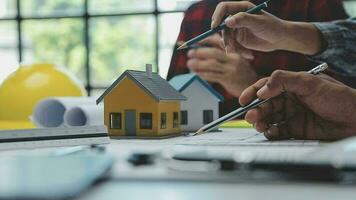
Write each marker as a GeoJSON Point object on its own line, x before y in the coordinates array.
{"type": "Point", "coordinates": [242, 110]}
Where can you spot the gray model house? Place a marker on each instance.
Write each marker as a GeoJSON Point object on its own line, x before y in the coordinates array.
{"type": "Point", "coordinates": [202, 105]}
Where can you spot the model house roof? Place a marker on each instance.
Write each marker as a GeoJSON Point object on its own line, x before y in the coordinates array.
{"type": "Point", "coordinates": [152, 83]}
{"type": "Point", "coordinates": [181, 82]}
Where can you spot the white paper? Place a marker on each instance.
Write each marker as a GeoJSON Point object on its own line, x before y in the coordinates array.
{"type": "Point", "coordinates": [50, 112]}
{"type": "Point", "coordinates": [84, 115]}
{"type": "Point", "coordinates": [247, 137]}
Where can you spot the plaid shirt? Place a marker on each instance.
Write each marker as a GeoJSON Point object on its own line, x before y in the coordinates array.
{"type": "Point", "coordinates": [197, 19]}
{"type": "Point", "coordinates": [340, 52]}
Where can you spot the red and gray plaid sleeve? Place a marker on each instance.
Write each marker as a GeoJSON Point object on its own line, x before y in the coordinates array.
{"type": "Point", "coordinates": [196, 20]}
{"type": "Point", "coordinates": [325, 10]}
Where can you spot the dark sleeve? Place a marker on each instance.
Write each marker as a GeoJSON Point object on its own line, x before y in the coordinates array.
{"type": "Point", "coordinates": [340, 52]}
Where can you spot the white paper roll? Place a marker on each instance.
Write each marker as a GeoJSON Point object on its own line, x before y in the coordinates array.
{"type": "Point", "coordinates": [50, 112]}
{"type": "Point", "coordinates": [87, 115]}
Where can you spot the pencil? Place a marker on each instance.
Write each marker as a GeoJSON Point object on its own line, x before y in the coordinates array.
{"type": "Point", "coordinates": [242, 110]}
{"type": "Point", "coordinates": [210, 32]}
{"type": "Point", "coordinates": [193, 46]}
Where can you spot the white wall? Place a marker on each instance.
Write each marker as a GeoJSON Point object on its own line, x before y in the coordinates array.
{"type": "Point", "coordinates": [198, 99]}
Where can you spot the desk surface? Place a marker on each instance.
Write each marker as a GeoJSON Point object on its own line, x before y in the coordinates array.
{"type": "Point", "coordinates": [127, 182]}
{"type": "Point", "coordinates": [208, 191]}
{"type": "Point", "coordinates": [119, 186]}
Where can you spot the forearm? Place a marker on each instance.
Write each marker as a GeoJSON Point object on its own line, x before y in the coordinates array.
{"type": "Point", "coordinates": [302, 37]}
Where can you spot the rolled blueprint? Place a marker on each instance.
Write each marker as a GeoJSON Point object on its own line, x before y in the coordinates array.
{"type": "Point", "coordinates": [87, 115]}
{"type": "Point", "coordinates": [50, 112]}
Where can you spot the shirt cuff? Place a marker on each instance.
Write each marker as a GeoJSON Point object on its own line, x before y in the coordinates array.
{"type": "Point", "coordinates": [333, 35]}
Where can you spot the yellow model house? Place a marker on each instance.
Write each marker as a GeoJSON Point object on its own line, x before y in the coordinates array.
{"type": "Point", "coordinates": [141, 104]}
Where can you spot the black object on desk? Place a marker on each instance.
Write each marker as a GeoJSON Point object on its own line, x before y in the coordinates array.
{"type": "Point", "coordinates": [138, 159]}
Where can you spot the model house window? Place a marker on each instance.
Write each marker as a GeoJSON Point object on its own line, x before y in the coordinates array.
{"type": "Point", "coordinates": [145, 120]}
{"type": "Point", "coordinates": [184, 117]}
{"type": "Point", "coordinates": [175, 119]}
{"type": "Point", "coordinates": [163, 120]}
{"type": "Point", "coordinates": [115, 120]}
{"type": "Point", "coordinates": [207, 116]}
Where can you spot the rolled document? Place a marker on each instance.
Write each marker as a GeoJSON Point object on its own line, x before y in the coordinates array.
{"type": "Point", "coordinates": [87, 115]}
{"type": "Point", "coordinates": [50, 112]}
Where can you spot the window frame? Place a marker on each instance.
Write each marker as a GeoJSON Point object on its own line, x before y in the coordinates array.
{"type": "Point", "coordinates": [86, 16]}
{"type": "Point", "coordinates": [142, 125]}
{"type": "Point", "coordinates": [163, 119]}
{"type": "Point", "coordinates": [175, 120]}
{"type": "Point", "coordinates": [184, 117]}
{"type": "Point", "coordinates": [111, 120]}
{"type": "Point", "coordinates": [206, 115]}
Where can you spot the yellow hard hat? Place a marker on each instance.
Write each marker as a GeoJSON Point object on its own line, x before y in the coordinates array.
{"type": "Point", "coordinates": [24, 88]}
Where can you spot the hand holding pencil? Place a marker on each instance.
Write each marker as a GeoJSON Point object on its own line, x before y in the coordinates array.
{"type": "Point", "coordinates": [246, 31]}
{"type": "Point", "coordinates": [264, 32]}
{"type": "Point", "coordinates": [221, 26]}
{"type": "Point", "coordinates": [247, 96]}
{"type": "Point", "coordinates": [299, 105]}
{"type": "Point", "coordinates": [303, 107]}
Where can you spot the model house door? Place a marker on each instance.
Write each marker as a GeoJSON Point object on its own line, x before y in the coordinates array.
{"type": "Point", "coordinates": [130, 122]}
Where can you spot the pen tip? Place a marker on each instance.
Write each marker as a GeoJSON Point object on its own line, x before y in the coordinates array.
{"type": "Point", "coordinates": [198, 132]}
{"type": "Point", "coordinates": [183, 46]}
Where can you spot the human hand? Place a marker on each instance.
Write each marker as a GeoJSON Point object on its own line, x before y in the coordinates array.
{"type": "Point", "coordinates": [263, 31]}
{"type": "Point", "coordinates": [308, 107]}
{"type": "Point", "coordinates": [212, 64]}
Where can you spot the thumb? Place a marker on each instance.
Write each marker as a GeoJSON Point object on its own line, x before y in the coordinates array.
{"type": "Point", "coordinates": [297, 83]}
{"type": "Point", "coordinates": [228, 8]}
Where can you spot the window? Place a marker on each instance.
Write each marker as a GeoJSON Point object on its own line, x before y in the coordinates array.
{"type": "Point", "coordinates": [208, 116]}
{"type": "Point", "coordinates": [184, 117]}
{"type": "Point", "coordinates": [145, 120]}
{"type": "Point", "coordinates": [175, 120]}
{"type": "Point", "coordinates": [115, 120]}
{"type": "Point", "coordinates": [87, 36]}
{"type": "Point", "coordinates": [163, 120]}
